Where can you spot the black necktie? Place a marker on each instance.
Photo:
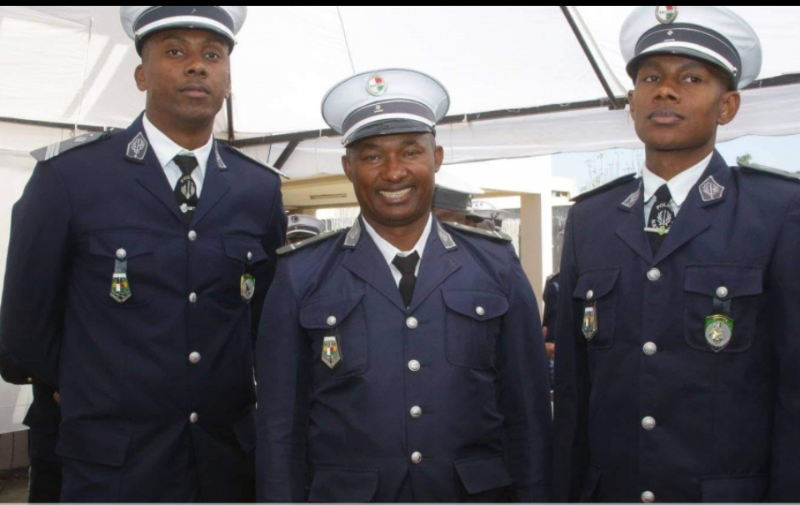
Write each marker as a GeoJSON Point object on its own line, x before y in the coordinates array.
{"type": "Point", "coordinates": [407, 266]}
{"type": "Point", "coordinates": [661, 218]}
{"type": "Point", "coordinates": [186, 189]}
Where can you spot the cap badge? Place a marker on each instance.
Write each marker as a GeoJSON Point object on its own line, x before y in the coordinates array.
{"type": "Point", "coordinates": [376, 86]}
{"type": "Point", "coordinates": [666, 14]}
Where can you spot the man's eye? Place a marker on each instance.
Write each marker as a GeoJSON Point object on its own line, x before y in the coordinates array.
{"type": "Point", "coordinates": [693, 79]}
{"type": "Point", "coordinates": [174, 52]}
{"type": "Point", "coordinates": [214, 55]}
{"type": "Point", "coordinates": [651, 78]}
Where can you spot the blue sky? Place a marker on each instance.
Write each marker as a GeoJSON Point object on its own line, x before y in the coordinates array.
{"type": "Point", "coordinates": [778, 152]}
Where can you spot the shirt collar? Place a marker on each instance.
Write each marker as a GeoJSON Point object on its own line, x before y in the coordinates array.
{"type": "Point", "coordinates": [389, 251]}
{"type": "Point", "coordinates": [679, 186]}
{"type": "Point", "coordinates": [166, 149]}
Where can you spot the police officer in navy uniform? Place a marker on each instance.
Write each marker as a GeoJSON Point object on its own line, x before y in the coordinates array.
{"type": "Point", "coordinates": [406, 361]}
{"type": "Point", "coordinates": [678, 357]}
{"type": "Point", "coordinates": [42, 420]}
{"type": "Point", "coordinates": [137, 267]}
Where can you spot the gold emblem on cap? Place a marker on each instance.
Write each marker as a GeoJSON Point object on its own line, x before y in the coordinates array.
{"type": "Point", "coordinates": [376, 86]}
{"type": "Point", "coordinates": [666, 14]}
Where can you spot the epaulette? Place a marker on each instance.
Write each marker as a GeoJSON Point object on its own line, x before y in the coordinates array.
{"type": "Point", "coordinates": [258, 162]}
{"type": "Point", "coordinates": [495, 235]}
{"type": "Point", "coordinates": [311, 240]}
{"type": "Point", "coordinates": [605, 187]}
{"type": "Point", "coordinates": [754, 167]}
{"type": "Point", "coordinates": [53, 150]}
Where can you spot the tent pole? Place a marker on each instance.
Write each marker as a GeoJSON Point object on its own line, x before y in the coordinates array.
{"type": "Point", "coordinates": [615, 103]}
{"type": "Point", "coordinates": [229, 112]}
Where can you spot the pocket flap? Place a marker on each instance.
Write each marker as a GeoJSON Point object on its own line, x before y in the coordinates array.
{"type": "Point", "coordinates": [336, 485]}
{"type": "Point", "coordinates": [479, 475]}
{"type": "Point", "coordinates": [318, 314]}
{"type": "Point", "coordinates": [245, 431]}
{"type": "Point", "coordinates": [93, 443]}
{"type": "Point", "coordinates": [738, 280]}
{"type": "Point", "coordinates": [245, 249]}
{"type": "Point", "coordinates": [744, 489]}
{"type": "Point", "coordinates": [133, 242]}
{"type": "Point", "coordinates": [478, 305]}
{"type": "Point", "coordinates": [599, 283]}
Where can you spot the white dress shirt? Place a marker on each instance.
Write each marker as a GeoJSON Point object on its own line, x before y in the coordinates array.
{"type": "Point", "coordinates": [165, 150]}
{"type": "Point", "coordinates": [679, 186]}
{"type": "Point", "coordinates": [389, 251]}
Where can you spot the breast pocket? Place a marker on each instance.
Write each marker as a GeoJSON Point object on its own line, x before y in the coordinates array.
{"type": "Point", "coordinates": [472, 326]}
{"type": "Point", "coordinates": [598, 306]}
{"type": "Point", "coordinates": [739, 289]}
{"type": "Point", "coordinates": [243, 257]}
{"type": "Point", "coordinates": [121, 266]}
{"type": "Point", "coordinates": [336, 327]}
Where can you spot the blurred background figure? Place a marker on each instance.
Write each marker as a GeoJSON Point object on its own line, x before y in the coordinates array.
{"type": "Point", "coordinates": [486, 216]}
{"type": "Point", "coordinates": [302, 227]}
{"type": "Point", "coordinates": [452, 198]}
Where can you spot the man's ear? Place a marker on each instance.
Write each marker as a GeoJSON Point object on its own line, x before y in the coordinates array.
{"type": "Point", "coordinates": [348, 167]}
{"type": "Point", "coordinates": [438, 157]}
{"type": "Point", "coordinates": [140, 77]}
{"type": "Point", "coordinates": [730, 103]}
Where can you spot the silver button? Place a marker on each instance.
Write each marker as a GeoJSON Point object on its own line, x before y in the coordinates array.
{"type": "Point", "coordinates": [414, 365]}
{"type": "Point", "coordinates": [193, 417]}
{"type": "Point", "coordinates": [589, 294]}
{"type": "Point", "coordinates": [416, 458]}
{"type": "Point", "coordinates": [653, 274]}
{"type": "Point", "coordinates": [416, 412]}
{"type": "Point", "coordinates": [194, 358]}
{"type": "Point", "coordinates": [192, 236]}
{"type": "Point", "coordinates": [412, 322]}
{"type": "Point", "coordinates": [650, 348]}
{"type": "Point", "coordinates": [648, 497]}
{"type": "Point", "coordinates": [30, 380]}
{"type": "Point", "coordinates": [249, 256]}
{"type": "Point", "coordinates": [480, 311]}
{"type": "Point", "coordinates": [193, 298]}
{"type": "Point", "coordinates": [331, 321]}
{"type": "Point", "coordinates": [722, 292]}
{"type": "Point", "coordinates": [121, 254]}
{"type": "Point", "coordinates": [648, 423]}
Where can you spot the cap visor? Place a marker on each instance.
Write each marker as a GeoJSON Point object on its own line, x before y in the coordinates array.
{"type": "Point", "coordinates": [389, 127]}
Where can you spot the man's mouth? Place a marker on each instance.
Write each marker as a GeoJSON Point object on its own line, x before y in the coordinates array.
{"type": "Point", "coordinates": [665, 117]}
{"type": "Point", "coordinates": [195, 91]}
{"type": "Point", "coordinates": [395, 195]}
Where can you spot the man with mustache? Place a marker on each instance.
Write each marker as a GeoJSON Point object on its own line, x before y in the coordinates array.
{"type": "Point", "coordinates": [404, 358]}
{"type": "Point", "coordinates": [678, 363]}
{"type": "Point", "coordinates": [137, 268]}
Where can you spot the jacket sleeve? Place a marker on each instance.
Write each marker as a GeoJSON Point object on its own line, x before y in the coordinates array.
{"type": "Point", "coordinates": [283, 368]}
{"type": "Point", "coordinates": [274, 239]}
{"type": "Point", "coordinates": [570, 441]}
{"type": "Point", "coordinates": [524, 390]}
{"type": "Point", "coordinates": [34, 293]}
{"type": "Point", "coordinates": [784, 296]}
{"type": "Point", "coordinates": [10, 369]}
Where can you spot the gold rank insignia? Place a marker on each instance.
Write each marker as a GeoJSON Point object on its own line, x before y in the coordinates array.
{"type": "Point", "coordinates": [247, 287]}
{"type": "Point", "coordinates": [589, 326]}
{"type": "Point", "coordinates": [719, 330]}
{"type": "Point", "coordinates": [331, 355]}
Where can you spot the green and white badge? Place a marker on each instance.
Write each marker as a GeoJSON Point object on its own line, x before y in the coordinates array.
{"type": "Point", "coordinates": [120, 287]}
{"type": "Point", "coordinates": [719, 331]}
{"type": "Point", "coordinates": [247, 287]}
{"type": "Point", "coordinates": [589, 325]}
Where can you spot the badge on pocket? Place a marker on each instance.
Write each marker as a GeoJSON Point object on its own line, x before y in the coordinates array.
{"type": "Point", "coordinates": [247, 287]}
{"type": "Point", "coordinates": [120, 287]}
{"type": "Point", "coordinates": [719, 331]}
{"type": "Point", "coordinates": [589, 326]}
{"type": "Point", "coordinates": [331, 354]}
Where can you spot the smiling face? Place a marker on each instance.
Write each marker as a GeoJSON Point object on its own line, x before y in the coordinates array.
{"type": "Point", "coordinates": [678, 103]}
{"type": "Point", "coordinates": [393, 177]}
{"type": "Point", "coordinates": [186, 74]}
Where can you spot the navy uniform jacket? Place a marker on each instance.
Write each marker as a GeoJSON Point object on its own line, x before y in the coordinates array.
{"type": "Point", "coordinates": [468, 352]}
{"type": "Point", "coordinates": [725, 426]}
{"type": "Point", "coordinates": [128, 384]}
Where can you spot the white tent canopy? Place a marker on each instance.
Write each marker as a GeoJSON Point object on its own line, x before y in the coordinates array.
{"type": "Point", "coordinates": [73, 66]}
